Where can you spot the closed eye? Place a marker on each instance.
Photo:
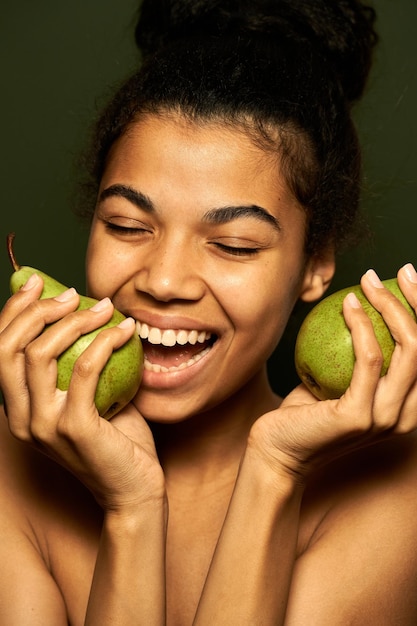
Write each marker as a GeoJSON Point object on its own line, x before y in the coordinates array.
{"type": "Point", "coordinates": [237, 251]}
{"type": "Point", "coordinates": [125, 230]}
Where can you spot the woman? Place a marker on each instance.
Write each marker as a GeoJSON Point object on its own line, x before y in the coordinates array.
{"type": "Point", "coordinates": [225, 174]}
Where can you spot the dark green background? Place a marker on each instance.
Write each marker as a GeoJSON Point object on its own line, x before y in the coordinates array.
{"type": "Point", "coordinates": [57, 58]}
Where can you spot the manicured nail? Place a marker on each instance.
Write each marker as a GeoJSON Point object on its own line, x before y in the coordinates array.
{"type": "Point", "coordinates": [66, 295]}
{"type": "Point", "coordinates": [353, 301]}
{"type": "Point", "coordinates": [410, 272]}
{"type": "Point", "coordinates": [101, 305]}
{"type": "Point", "coordinates": [373, 278]}
{"type": "Point", "coordinates": [129, 321]}
{"type": "Point", "coordinates": [31, 282]}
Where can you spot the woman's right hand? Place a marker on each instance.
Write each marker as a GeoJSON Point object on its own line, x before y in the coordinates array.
{"type": "Point", "coordinates": [115, 459]}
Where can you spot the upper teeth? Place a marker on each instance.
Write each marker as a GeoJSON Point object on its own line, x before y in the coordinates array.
{"type": "Point", "coordinates": [170, 337]}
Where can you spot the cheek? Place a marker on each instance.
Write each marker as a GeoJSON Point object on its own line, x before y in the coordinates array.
{"type": "Point", "coordinates": [100, 270]}
{"type": "Point", "coordinates": [262, 308]}
{"type": "Point", "coordinates": [91, 261]}
{"type": "Point", "coordinates": [259, 304]}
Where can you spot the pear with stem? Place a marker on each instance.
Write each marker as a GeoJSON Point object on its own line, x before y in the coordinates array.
{"type": "Point", "coordinates": [120, 378]}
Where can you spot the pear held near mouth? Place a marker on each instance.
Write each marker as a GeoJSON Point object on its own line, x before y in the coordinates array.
{"type": "Point", "coordinates": [324, 356]}
{"type": "Point", "coordinates": [121, 376]}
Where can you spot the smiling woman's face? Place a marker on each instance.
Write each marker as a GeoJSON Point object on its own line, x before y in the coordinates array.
{"type": "Point", "coordinates": [196, 236]}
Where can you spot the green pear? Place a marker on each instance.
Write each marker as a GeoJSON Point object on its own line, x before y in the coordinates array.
{"type": "Point", "coordinates": [121, 376]}
{"type": "Point", "coordinates": [324, 356]}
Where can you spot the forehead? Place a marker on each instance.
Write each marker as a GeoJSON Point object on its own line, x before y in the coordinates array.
{"type": "Point", "coordinates": [213, 159]}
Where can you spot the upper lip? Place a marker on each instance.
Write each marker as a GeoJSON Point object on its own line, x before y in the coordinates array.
{"type": "Point", "coordinates": [171, 322]}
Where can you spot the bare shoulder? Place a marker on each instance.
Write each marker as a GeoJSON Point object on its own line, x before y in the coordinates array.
{"type": "Point", "coordinates": [22, 473]}
{"type": "Point", "coordinates": [49, 528]}
{"type": "Point", "coordinates": [358, 562]}
{"type": "Point", "coordinates": [371, 476]}
{"type": "Point", "coordinates": [375, 486]}
{"type": "Point", "coordinates": [27, 588]}
{"type": "Point", "coordinates": [41, 497]}
{"type": "Point", "coordinates": [33, 483]}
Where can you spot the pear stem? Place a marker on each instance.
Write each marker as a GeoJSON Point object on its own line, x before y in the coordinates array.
{"type": "Point", "coordinates": [10, 238]}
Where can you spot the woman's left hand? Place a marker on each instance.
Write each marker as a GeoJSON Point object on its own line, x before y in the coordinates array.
{"type": "Point", "coordinates": [304, 432]}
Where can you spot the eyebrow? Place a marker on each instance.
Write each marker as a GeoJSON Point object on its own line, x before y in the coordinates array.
{"type": "Point", "coordinates": [226, 214]}
{"type": "Point", "coordinates": [137, 198]}
{"type": "Point", "coordinates": [220, 215]}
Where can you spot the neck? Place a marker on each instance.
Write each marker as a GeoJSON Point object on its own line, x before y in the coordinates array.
{"type": "Point", "coordinates": [206, 446]}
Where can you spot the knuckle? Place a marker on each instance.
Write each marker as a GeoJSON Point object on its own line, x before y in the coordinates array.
{"type": "Point", "coordinates": [106, 337]}
{"type": "Point", "coordinates": [363, 424]}
{"type": "Point", "coordinates": [412, 343]}
{"type": "Point", "coordinates": [36, 309]}
{"type": "Point", "coordinates": [404, 427]}
{"type": "Point", "coordinates": [68, 430]}
{"type": "Point", "coordinates": [103, 342]}
{"type": "Point", "coordinates": [374, 359]}
{"type": "Point", "coordinates": [4, 351]}
{"type": "Point", "coordinates": [41, 431]}
{"type": "Point", "coordinates": [20, 432]}
{"type": "Point", "coordinates": [63, 429]}
{"type": "Point", "coordinates": [35, 353]}
{"type": "Point", "coordinates": [79, 322]}
{"type": "Point", "coordinates": [385, 422]}
{"type": "Point", "coordinates": [36, 432]}
{"type": "Point", "coordinates": [74, 321]}
{"type": "Point", "coordinates": [16, 304]}
{"type": "Point", "coordinates": [84, 367]}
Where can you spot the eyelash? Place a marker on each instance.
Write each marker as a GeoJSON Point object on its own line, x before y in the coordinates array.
{"type": "Point", "coordinates": [237, 251]}
{"type": "Point", "coordinates": [125, 230]}
{"type": "Point", "coordinates": [232, 250]}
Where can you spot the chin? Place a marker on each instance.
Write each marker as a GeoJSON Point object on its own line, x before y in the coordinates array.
{"type": "Point", "coordinates": [164, 411]}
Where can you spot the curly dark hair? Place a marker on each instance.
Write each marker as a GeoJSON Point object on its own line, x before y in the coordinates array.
{"type": "Point", "coordinates": [287, 72]}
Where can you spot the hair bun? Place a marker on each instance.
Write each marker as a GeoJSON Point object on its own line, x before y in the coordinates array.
{"type": "Point", "coordinates": [341, 30]}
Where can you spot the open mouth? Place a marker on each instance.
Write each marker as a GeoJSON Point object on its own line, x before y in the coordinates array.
{"type": "Point", "coordinates": [171, 350]}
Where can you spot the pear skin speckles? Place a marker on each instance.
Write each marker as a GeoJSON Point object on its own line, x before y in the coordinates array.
{"type": "Point", "coordinates": [324, 356]}
{"type": "Point", "coordinates": [120, 379]}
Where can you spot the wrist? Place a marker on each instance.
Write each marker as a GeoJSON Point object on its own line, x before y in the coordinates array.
{"type": "Point", "coordinates": [134, 494]}
{"type": "Point", "coordinates": [135, 516]}
{"type": "Point", "coordinates": [281, 470]}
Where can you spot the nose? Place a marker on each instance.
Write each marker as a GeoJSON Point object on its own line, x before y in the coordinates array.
{"type": "Point", "coordinates": [169, 271]}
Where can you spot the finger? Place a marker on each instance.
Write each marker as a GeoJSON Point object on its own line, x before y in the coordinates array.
{"type": "Point", "coordinates": [32, 319]}
{"type": "Point", "coordinates": [367, 367]}
{"type": "Point", "coordinates": [16, 303]}
{"type": "Point", "coordinates": [42, 354]}
{"type": "Point", "coordinates": [87, 368]}
{"type": "Point", "coordinates": [402, 372]}
{"type": "Point", "coordinates": [14, 340]}
{"type": "Point", "coordinates": [407, 281]}
{"type": "Point", "coordinates": [396, 316]}
{"type": "Point", "coordinates": [406, 422]}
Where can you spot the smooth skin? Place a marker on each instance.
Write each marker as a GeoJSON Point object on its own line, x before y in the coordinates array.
{"type": "Point", "coordinates": [226, 504]}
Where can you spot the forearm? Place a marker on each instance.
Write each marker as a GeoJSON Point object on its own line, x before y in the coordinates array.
{"type": "Point", "coordinates": [250, 574]}
{"type": "Point", "coordinates": [129, 579]}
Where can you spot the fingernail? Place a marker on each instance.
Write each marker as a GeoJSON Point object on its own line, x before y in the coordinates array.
{"type": "Point", "coordinates": [353, 301]}
{"type": "Point", "coordinates": [373, 278]}
{"type": "Point", "coordinates": [410, 272]}
{"type": "Point", "coordinates": [66, 295]}
{"type": "Point", "coordinates": [101, 305]}
{"type": "Point", "coordinates": [126, 323]}
{"type": "Point", "coordinates": [31, 282]}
